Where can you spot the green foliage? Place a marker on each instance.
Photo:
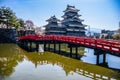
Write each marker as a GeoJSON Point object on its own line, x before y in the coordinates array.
{"type": "Point", "coordinates": [8, 17]}
{"type": "Point", "coordinates": [22, 23]}
{"type": "Point", "coordinates": [9, 59]}
{"type": "Point", "coordinates": [102, 36]}
{"type": "Point", "coordinates": [108, 37]}
{"type": "Point", "coordinates": [118, 31]}
{"type": "Point", "coordinates": [117, 36]}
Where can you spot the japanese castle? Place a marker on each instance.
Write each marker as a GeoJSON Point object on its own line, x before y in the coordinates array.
{"type": "Point", "coordinates": [71, 25]}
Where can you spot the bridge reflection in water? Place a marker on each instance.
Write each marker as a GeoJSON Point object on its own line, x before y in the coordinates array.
{"type": "Point", "coordinates": [27, 42]}
{"type": "Point", "coordinates": [106, 60]}
{"type": "Point", "coordinates": [100, 46]}
{"type": "Point", "coordinates": [71, 66]}
{"type": "Point", "coordinates": [20, 66]}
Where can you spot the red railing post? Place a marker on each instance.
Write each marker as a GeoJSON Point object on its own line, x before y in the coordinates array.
{"type": "Point", "coordinates": [111, 45]}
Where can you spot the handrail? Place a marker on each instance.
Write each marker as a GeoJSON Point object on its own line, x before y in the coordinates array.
{"type": "Point", "coordinates": [110, 45]}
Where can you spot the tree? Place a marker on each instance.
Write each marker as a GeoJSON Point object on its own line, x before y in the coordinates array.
{"type": "Point", "coordinates": [118, 31]}
{"type": "Point", "coordinates": [29, 24]}
{"type": "Point", "coordinates": [8, 17]}
{"type": "Point", "coordinates": [117, 35]}
{"type": "Point", "coordinates": [22, 23]}
{"type": "Point", "coordinates": [14, 22]}
{"type": "Point", "coordinates": [102, 36]}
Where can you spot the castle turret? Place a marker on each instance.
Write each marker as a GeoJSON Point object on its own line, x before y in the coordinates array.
{"type": "Point", "coordinates": [54, 27]}
{"type": "Point", "coordinates": [73, 23]}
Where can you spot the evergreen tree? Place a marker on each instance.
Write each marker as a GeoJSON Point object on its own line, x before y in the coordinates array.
{"type": "Point", "coordinates": [22, 23]}
{"type": "Point", "coordinates": [117, 35]}
{"type": "Point", "coordinates": [8, 17]}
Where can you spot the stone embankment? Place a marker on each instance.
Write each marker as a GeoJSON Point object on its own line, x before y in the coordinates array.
{"type": "Point", "coordinates": [8, 35]}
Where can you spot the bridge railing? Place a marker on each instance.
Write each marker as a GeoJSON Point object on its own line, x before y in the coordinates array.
{"type": "Point", "coordinates": [111, 45]}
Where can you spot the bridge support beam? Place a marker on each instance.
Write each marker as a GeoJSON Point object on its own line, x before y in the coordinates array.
{"type": "Point", "coordinates": [26, 45]}
{"type": "Point", "coordinates": [21, 43]}
{"type": "Point", "coordinates": [99, 52]}
{"type": "Point", "coordinates": [76, 49]}
{"type": "Point", "coordinates": [59, 47]}
{"type": "Point", "coordinates": [70, 51]}
{"type": "Point", "coordinates": [54, 46]}
{"type": "Point", "coordinates": [98, 58]}
{"type": "Point", "coordinates": [30, 46]}
{"type": "Point", "coordinates": [37, 46]}
{"type": "Point", "coordinates": [44, 46]}
{"type": "Point", "coordinates": [48, 45]}
{"type": "Point", "coordinates": [104, 60]}
{"type": "Point", "coordinates": [104, 57]}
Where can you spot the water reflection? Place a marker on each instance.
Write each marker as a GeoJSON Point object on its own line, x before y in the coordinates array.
{"type": "Point", "coordinates": [48, 66]}
{"type": "Point", "coordinates": [9, 58]}
{"type": "Point", "coordinates": [71, 66]}
{"type": "Point", "coordinates": [111, 60]}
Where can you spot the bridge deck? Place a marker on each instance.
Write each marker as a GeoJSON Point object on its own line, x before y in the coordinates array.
{"type": "Point", "coordinates": [104, 44]}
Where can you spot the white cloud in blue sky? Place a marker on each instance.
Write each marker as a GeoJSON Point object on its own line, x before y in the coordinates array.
{"type": "Point", "coordinates": [101, 14]}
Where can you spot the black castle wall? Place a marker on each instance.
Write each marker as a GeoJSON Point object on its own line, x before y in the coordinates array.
{"type": "Point", "coordinates": [8, 35]}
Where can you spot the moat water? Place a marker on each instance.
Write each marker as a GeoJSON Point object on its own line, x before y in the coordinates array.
{"type": "Point", "coordinates": [18, 64]}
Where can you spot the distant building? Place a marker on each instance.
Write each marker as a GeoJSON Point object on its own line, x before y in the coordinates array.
{"type": "Point", "coordinates": [107, 33]}
{"type": "Point", "coordinates": [96, 35]}
{"type": "Point", "coordinates": [70, 25]}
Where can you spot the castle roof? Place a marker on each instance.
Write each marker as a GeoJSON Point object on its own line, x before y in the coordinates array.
{"type": "Point", "coordinates": [53, 19]}
{"type": "Point", "coordinates": [71, 8]}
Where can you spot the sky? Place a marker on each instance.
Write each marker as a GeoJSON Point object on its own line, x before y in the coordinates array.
{"type": "Point", "coordinates": [98, 14]}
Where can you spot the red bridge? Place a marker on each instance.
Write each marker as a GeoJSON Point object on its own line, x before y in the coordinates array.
{"type": "Point", "coordinates": [112, 46]}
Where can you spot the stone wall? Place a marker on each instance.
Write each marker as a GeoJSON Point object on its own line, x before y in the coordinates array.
{"type": "Point", "coordinates": [8, 35]}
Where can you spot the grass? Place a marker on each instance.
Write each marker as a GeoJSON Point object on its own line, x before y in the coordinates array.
{"type": "Point", "coordinates": [64, 47]}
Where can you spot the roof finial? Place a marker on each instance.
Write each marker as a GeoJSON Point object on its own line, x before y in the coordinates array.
{"type": "Point", "coordinates": [68, 5]}
{"type": "Point", "coordinates": [54, 16]}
